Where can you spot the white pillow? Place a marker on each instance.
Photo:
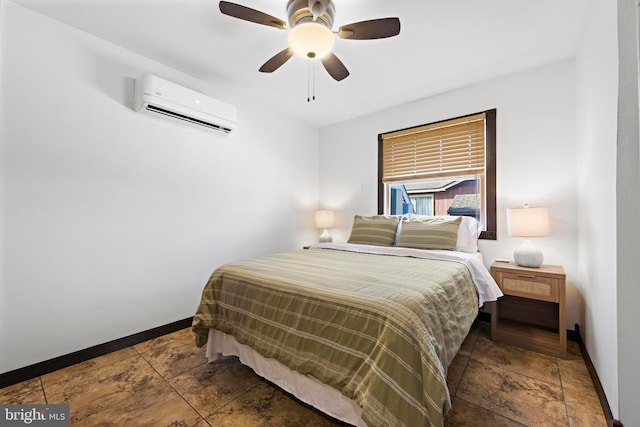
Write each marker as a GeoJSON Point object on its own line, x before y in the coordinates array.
{"type": "Point", "coordinates": [468, 232]}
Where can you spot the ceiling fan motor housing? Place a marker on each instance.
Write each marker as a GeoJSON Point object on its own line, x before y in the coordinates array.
{"type": "Point", "coordinates": [319, 11]}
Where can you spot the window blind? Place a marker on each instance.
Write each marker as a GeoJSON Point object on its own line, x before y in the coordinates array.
{"type": "Point", "coordinates": [450, 148]}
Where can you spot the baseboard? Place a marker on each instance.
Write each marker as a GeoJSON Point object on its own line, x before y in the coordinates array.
{"type": "Point", "coordinates": [483, 316]}
{"type": "Point", "coordinates": [611, 422]}
{"type": "Point", "coordinates": [42, 368]}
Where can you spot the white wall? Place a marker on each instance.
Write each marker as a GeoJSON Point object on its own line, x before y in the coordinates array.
{"type": "Point", "coordinates": [597, 89]}
{"type": "Point", "coordinates": [536, 147]}
{"type": "Point", "coordinates": [113, 221]}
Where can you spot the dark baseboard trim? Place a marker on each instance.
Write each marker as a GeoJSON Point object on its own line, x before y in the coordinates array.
{"type": "Point", "coordinates": [573, 335]}
{"type": "Point", "coordinates": [41, 368]}
{"type": "Point", "coordinates": [611, 422]}
{"type": "Point", "coordinates": [483, 316]}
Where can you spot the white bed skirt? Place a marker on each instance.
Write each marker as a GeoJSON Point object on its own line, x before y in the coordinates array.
{"type": "Point", "coordinates": [307, 389]}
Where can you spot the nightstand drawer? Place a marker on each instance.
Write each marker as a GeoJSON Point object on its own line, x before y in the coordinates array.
{"type": "Point", "coordinates": [529, 286]}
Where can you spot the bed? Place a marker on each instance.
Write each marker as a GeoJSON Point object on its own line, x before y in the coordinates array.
{"type": "Point", "coordinates": [363, 332]}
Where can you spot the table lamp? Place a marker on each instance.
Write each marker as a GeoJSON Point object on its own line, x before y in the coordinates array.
{"type": "Point", "coordinates": [325, 219]}
{"type": "Point", "coordinates": [528, 222]}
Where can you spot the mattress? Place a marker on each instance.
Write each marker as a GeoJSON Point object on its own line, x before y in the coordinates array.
{"type": "Point", "coordinates": [305, 388]}
{"type": "Point", "coordinates": [378, 326]}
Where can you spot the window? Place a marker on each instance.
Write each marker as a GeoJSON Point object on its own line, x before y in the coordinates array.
{"type": "Point", "coordinates": [443, 168]}
{"type": "Point", "coordinates": [423, 204]}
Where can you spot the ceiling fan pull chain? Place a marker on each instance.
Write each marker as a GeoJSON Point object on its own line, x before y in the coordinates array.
{"type": "Point", "coordinates": [308, 80]}
{"type": "Point", "coordinates": [311, 81]}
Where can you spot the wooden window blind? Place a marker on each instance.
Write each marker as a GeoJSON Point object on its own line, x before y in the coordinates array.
{"type": "Point", "coordinates": [450, 148]}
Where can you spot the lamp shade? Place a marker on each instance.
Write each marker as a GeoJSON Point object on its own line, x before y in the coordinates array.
{"type": "Point", "coordinates": [528, 222]}
{"type": "Point", "coordinates": [311, 40]}
{"type": "Point", "coordinates": [324, 219]}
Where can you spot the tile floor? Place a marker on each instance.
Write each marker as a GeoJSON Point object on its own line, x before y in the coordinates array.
{"type": "Point", "coordinates": [167, 382]}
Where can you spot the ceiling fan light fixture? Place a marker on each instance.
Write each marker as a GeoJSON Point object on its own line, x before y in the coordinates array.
{"type": "Point", "coordinates": [311, 40]}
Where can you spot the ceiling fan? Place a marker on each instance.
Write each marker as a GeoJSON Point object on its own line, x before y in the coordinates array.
{"type": "Point", "coordinates": [310, 35]}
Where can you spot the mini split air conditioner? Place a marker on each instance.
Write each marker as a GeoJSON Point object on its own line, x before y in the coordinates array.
{"type": "Point", "coordinates": [169, 101]}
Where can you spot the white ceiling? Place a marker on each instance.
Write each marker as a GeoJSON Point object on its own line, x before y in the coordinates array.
{"type": "Point", "coordinates": [443, 45]}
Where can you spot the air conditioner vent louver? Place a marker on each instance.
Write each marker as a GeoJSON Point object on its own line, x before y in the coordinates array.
{"type": "Point", "coordinates": [178, 116]}
{"type": "Point", "coordinates": [165, 100]}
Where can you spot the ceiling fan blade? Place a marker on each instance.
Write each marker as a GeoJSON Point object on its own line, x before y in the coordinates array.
{"type": "Point", "coordinates": [251, 15]}
{"type": "Point", "coordinates": [276, 61]}
{"type": "Point", "coordinates": [335, 67]}
{"type": "Point", "coordinates": [372, 29]}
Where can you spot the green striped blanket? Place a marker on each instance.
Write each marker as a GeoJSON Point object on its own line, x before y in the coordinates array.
{"type": "Point", "coordinates": [380, 329]}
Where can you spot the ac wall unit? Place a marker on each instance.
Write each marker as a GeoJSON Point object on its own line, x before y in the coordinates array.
{"type": "Point", "coordinates": [169, 101]}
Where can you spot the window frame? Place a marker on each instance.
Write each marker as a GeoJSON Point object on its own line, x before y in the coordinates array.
{"type": "Point", "coordinates": [490, 231]}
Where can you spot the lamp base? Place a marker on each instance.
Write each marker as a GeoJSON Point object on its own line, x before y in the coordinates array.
{"type": "Point", "coordinates": [325, 237]}
{"type": "Point", "coordinates": [528, 255]}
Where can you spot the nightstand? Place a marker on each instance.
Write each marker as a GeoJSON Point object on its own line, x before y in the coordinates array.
{"type": "Point", "coordinates": [531, 314]}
